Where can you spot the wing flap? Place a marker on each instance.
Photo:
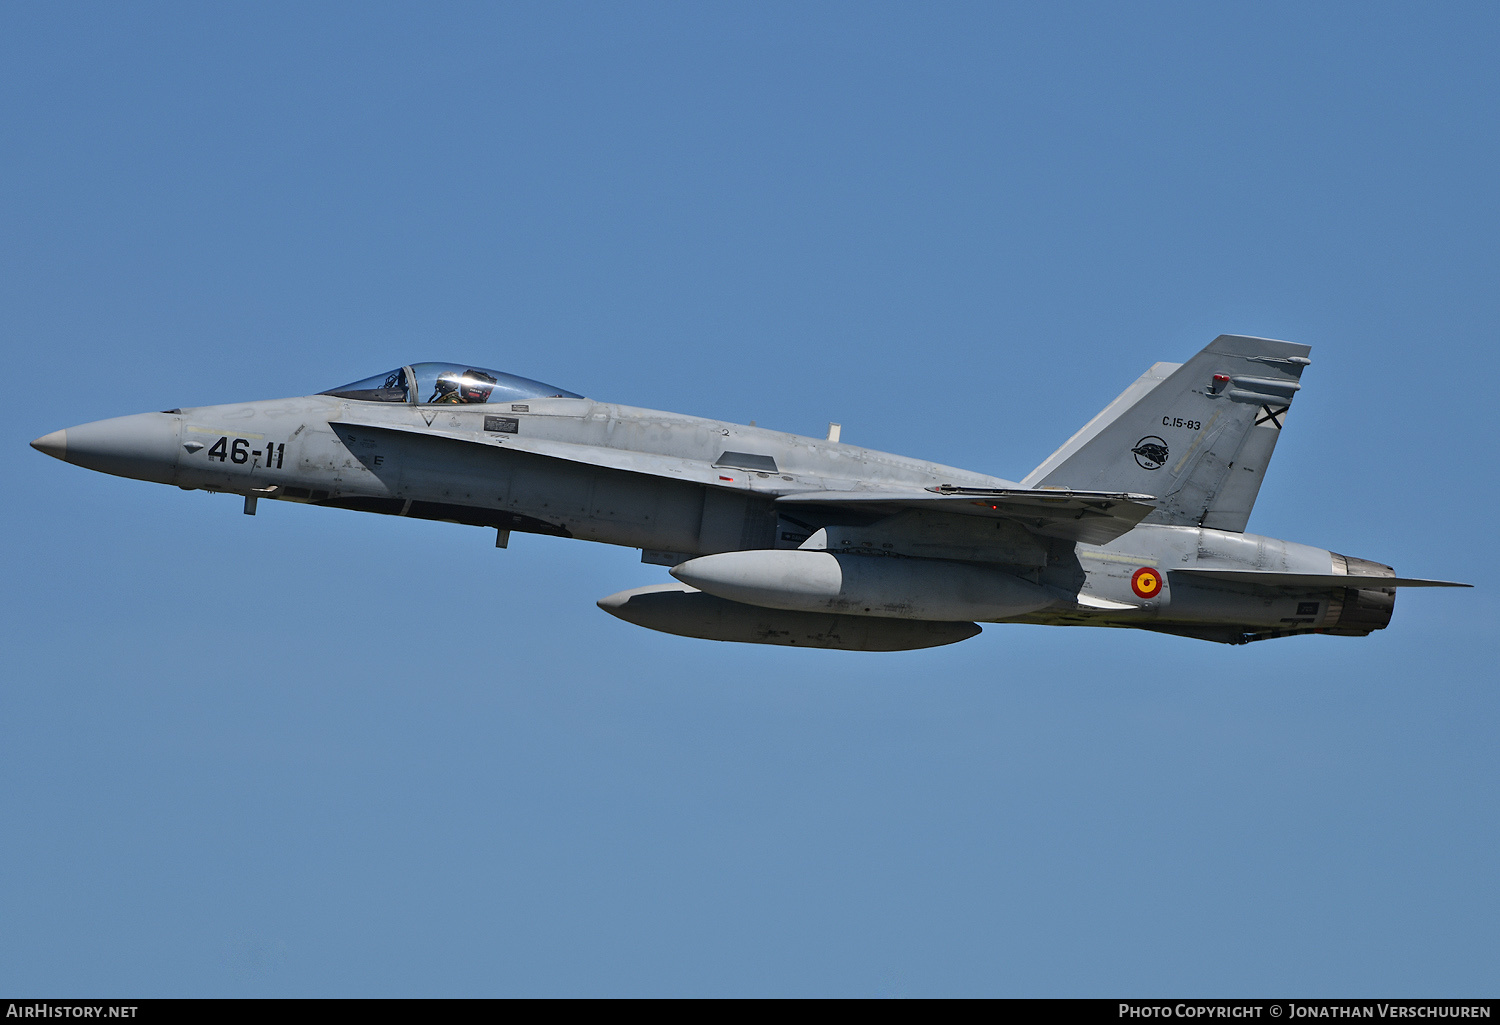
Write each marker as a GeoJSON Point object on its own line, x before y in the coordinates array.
{"type": "Point", "coordinates": [1093, 517]}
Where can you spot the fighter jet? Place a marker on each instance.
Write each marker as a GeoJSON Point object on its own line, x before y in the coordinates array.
{"type": "Point", "coordinates": [1137, 521]}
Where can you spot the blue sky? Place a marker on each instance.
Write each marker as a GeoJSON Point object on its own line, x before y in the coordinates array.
{"type": "Point", "coordinates": [324, 753]}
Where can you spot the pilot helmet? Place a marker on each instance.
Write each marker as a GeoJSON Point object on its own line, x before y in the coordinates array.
{"type": "Point", "coordinates": [476, 385]}
{"type": "Point", "coordinates": [447, 382]}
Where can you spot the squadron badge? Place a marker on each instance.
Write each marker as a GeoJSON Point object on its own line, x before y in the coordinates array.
{"type": "Point", "coordinates": [1150, 452]}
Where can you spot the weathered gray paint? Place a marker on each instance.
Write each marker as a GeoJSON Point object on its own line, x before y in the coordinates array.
{"type": "Point", "coordinates": [1163, 480]}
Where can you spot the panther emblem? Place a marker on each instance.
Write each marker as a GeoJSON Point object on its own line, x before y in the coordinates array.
{"type": "Point", "coordinates": [1150, 452]}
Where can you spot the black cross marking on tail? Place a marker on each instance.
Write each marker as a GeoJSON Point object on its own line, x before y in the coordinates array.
{"type": "Point", "coordinates": [1271, 415]}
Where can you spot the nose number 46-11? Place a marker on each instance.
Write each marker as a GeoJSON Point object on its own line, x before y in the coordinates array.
{"type": "Point", "coordinates": [240, 452]}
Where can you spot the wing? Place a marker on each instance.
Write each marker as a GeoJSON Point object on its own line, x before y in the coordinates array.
{"type": "Point", "coordinates": [1310, 581]}
{"type": "Point", "coordinates": [1093, 517]}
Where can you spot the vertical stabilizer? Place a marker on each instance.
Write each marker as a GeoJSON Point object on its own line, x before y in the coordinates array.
{"type": "Point", "coordinates": [1198, 435]}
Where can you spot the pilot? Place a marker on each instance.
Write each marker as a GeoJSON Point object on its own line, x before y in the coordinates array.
{"type": "Point", "coordinates": [446, 390]}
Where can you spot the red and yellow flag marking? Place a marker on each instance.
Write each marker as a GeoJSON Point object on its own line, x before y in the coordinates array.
{"type": "Point", "coordinates": [1145, 582]}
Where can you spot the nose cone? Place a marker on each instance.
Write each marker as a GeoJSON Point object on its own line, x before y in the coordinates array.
{"type": "Point", "coordinates": [143, 446]}
{"type": "Point", "coordinates": [647, 606]}
{"type": "Point", "coordinates": [54, 445]}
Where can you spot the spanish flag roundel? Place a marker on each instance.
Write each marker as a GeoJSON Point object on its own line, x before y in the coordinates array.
{"type": "Point", "coordinates": [1145, 582]}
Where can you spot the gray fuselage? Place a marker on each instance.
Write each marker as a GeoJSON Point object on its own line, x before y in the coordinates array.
{"type": "Point", "coordinates": [678, 486]}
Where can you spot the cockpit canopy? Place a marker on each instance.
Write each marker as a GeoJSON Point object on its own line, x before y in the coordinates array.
{"type": "Point", "coordinates": [447, 384]}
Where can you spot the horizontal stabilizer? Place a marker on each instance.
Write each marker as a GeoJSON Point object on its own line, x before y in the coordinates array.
{"type": "Point", "coordinates": [1311, 581]}
{"type": "Point", "coordinates": [1093, 517]}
